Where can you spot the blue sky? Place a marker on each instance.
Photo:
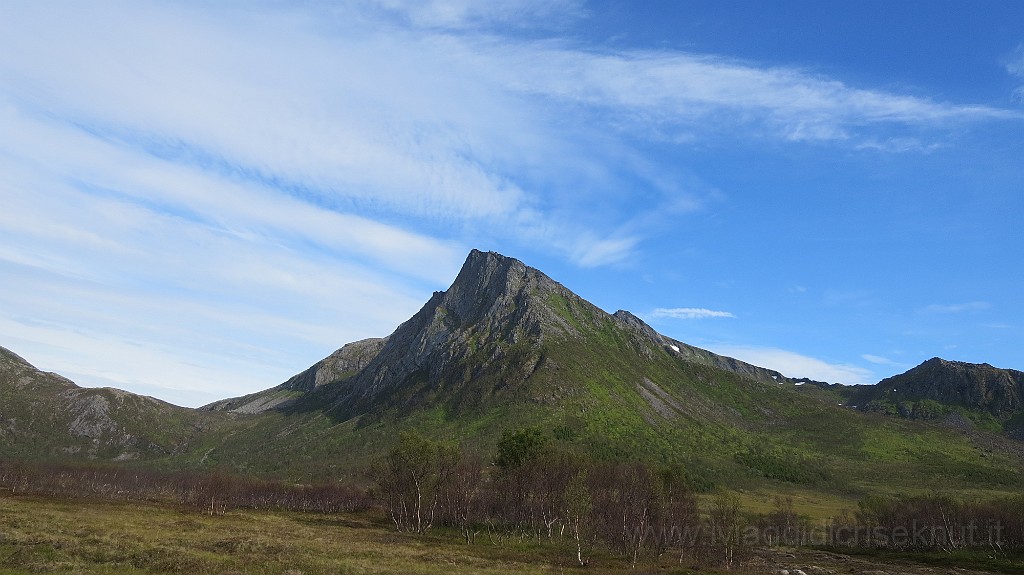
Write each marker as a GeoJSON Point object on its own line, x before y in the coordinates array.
{"type": "Point", "coordinates": [201, 199]}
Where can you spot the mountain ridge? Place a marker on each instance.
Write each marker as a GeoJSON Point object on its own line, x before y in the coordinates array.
{"type": "Point", "coordinates": [494, 299]}
{"type": "Point", "coordinates": [46, 414]}
{"type": "Point", "coordinates": [939, 387]}
{"type": "Point", "coordinates": [505, 348]}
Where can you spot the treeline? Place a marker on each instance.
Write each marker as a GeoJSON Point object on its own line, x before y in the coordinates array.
{"type": "Point", "coordinates": [213, 493]}
{"type": "Point", "coordinates": [932, 523]}
{"type": "Point", "coordinates": [532, 489]}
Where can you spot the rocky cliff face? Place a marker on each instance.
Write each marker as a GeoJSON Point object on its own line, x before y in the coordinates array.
{"type": "Point", "coordinates": [976, 386]}
{"type": "Point", "coordinates": [492, 323]}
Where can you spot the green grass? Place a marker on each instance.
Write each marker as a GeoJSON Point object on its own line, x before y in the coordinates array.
{"type": "Point", "coordinates": [44, 535]}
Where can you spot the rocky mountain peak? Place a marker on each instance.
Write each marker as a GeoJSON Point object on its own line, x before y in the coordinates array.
{"type": "Point", "coordinates": [493, 324]}
{"type": "Point", "coordinates": [495, 303]}
{"type": "Point", "coordinates": [973, 385]}
{"type": "Point", "coordinates": [492, 287]}
{"type": "Point", "coordinates": [498, 297]}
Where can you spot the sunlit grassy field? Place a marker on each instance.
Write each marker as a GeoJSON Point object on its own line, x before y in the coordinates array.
{"type": "Point", "coordinates": [46, 535]}
{"type": "Point", "coordinates": [40, 535]}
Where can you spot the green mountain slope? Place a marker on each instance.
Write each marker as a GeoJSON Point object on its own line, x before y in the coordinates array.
{"type": "Point", "coordinates": [506, 347]}
{"type": "Point", "coordinates": [43, 415]}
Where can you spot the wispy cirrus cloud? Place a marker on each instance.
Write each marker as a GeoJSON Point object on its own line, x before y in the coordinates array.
{"type": "Point", "coordinates": [877, 359]}
{"type": "Point", "coordinates": [794, 364]}
{"type": "Point", "coordinates": [958, 307]}
{"type": "Point", "coordinates": [685, 90]}
{"type": "Point", "coordinates": [1015, 67]}
{"type": "Point", "coordinates": [689, 313]}
{"type": "Point", "coordinates": [378, 122]}
{"type": "Point", "coordinates": [461, 14]}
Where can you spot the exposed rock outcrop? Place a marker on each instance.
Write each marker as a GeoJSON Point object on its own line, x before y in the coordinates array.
{"type": "Point", "coordinates": [343, 363]}
{"type": "Point", "coordinates": [975, 386]}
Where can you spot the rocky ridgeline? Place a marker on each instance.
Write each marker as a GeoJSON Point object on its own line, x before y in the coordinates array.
{"type": "Point", "coordinates": [347, 361]}
{"type": "Point", "coordinates": [494, 304]}
{"type": "Point", "coordinates": [496, 317]}
{"type": "Point", "coordinates": [976, 386]}
{"type": "Point", "coordinates": [44, 414]}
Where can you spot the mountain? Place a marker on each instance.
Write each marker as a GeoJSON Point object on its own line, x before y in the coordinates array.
{"type": "Point", "coordinates": [45, 415]}
{"type": "Point", "coordinates": [343, 363]}
{"type": "Point", "coordinates": [977, 386]}
{"type": "Point", "coordinates": [981, 386]}
{"type": "Point", "coordinates": [938, 388]}
{"type": "Point", "coordinates": [489, 332]}
{"type": "Point", "coordinates": [506, 347]}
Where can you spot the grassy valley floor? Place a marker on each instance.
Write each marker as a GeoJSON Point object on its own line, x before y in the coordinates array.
{"type": "Point", "coordinates": [45, 535]}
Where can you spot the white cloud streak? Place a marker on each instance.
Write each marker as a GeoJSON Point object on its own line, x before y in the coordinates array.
{"type": "Point", "coordinates": [793, 364]}
{"type": "Point", "coordinates": [877, 359]}
{"type": "Point", "coordinates": [461, 14]}
{"type": "Point", "coordinates": [684, 89]}
{"type": "Point", "coordinates": [958, 307]}
{"type": "Point", "coordinates": [689, 313]}
{"type": "Point", "coordinates": [1015, 67]}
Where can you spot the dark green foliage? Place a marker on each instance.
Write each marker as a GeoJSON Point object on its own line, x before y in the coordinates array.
{"type": "Point", "coordinates": [516, 448]}
{"type": "Point", "coordinates": [882, 406]}
{"type": "Point", "coordinates": [779, 463]}
{"type": "Point", "coordinates": [924, 409]}
{"type": "Point", "coordinates": [928, 409]}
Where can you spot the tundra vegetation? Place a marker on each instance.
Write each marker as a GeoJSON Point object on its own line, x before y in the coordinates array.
{"type": "Point", "coordinates": [532, 503]}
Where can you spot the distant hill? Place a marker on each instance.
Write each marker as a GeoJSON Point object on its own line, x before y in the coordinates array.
{"type": "Point", "coordinates": [939, 388]}
{"type": "Point", "coordinates": [341, 364]}
{"type": "Point", "coordinates": [43, 415]}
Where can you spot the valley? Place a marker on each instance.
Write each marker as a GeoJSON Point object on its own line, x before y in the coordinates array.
{"type": "Point", "coordinates": [505, 359]}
